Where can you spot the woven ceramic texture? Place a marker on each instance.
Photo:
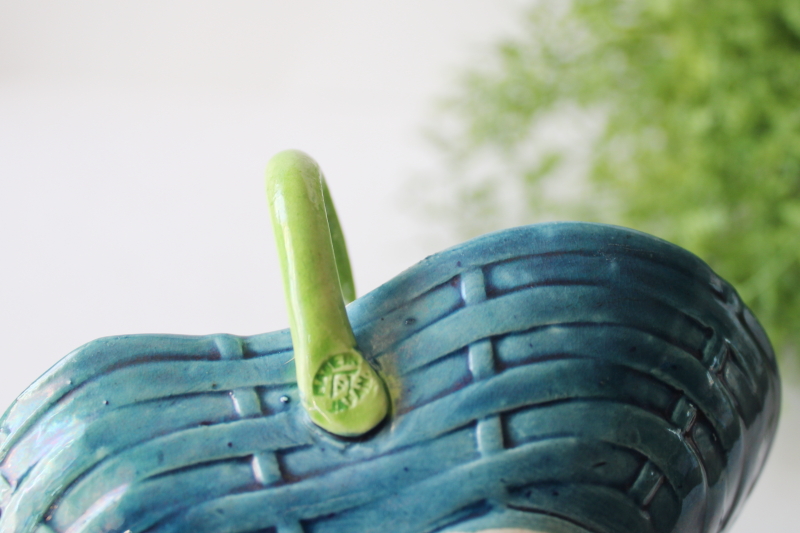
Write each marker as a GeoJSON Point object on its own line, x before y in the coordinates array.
{"type": "Point", "coordinates": [570, 377]}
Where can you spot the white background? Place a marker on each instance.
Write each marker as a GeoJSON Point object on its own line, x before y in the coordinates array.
{"type": "Point", "coordinates": [133, 138]}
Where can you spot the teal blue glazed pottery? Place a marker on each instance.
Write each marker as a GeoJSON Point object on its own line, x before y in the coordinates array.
{"type": "Point", "coordinates": [562, 378]}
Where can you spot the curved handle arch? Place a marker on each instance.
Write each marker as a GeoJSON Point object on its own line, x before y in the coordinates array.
{"type": "Point", "coordinates": [340, 391]}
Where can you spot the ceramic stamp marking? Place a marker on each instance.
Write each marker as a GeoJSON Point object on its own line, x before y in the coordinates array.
{"type": "Point", "coordinates": [342, 382]}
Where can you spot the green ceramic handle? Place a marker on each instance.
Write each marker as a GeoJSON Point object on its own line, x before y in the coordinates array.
{"type": "Point", "coordinates": [340, 391]}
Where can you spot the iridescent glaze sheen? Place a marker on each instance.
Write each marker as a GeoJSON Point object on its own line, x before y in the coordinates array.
{"type": "Point", "coordinates": [563, 378]}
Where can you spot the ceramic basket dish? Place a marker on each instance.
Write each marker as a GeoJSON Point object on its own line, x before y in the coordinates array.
{"type": "Point", "coordinates": [563, 377]}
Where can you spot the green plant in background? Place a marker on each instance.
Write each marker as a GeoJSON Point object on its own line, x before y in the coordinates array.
{"type": "Point", "coordinates": [690, 112]}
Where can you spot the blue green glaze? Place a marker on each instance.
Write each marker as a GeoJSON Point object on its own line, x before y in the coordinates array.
{"type": "Point", "coordinates": [569, 377]}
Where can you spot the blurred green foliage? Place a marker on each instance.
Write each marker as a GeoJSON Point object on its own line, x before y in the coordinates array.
{"type": "Point", "coordinates": [696, 136]}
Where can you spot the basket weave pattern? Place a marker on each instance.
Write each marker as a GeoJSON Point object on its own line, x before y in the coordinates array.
{"type": "Point", "coordinates": [565, 377]}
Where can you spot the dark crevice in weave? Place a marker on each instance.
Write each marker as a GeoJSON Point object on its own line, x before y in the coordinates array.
{"type": "Point", "coordinates": [468, 512]}
{"type": "Point", "coordinates": [560, 516]}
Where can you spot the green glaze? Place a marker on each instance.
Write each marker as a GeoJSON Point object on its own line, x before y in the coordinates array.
{"type": "Point", "coordinates": [340, 391]}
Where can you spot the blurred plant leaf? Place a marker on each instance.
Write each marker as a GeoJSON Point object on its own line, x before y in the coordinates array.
{"type": "Point", "coordinates": [696, 136]}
